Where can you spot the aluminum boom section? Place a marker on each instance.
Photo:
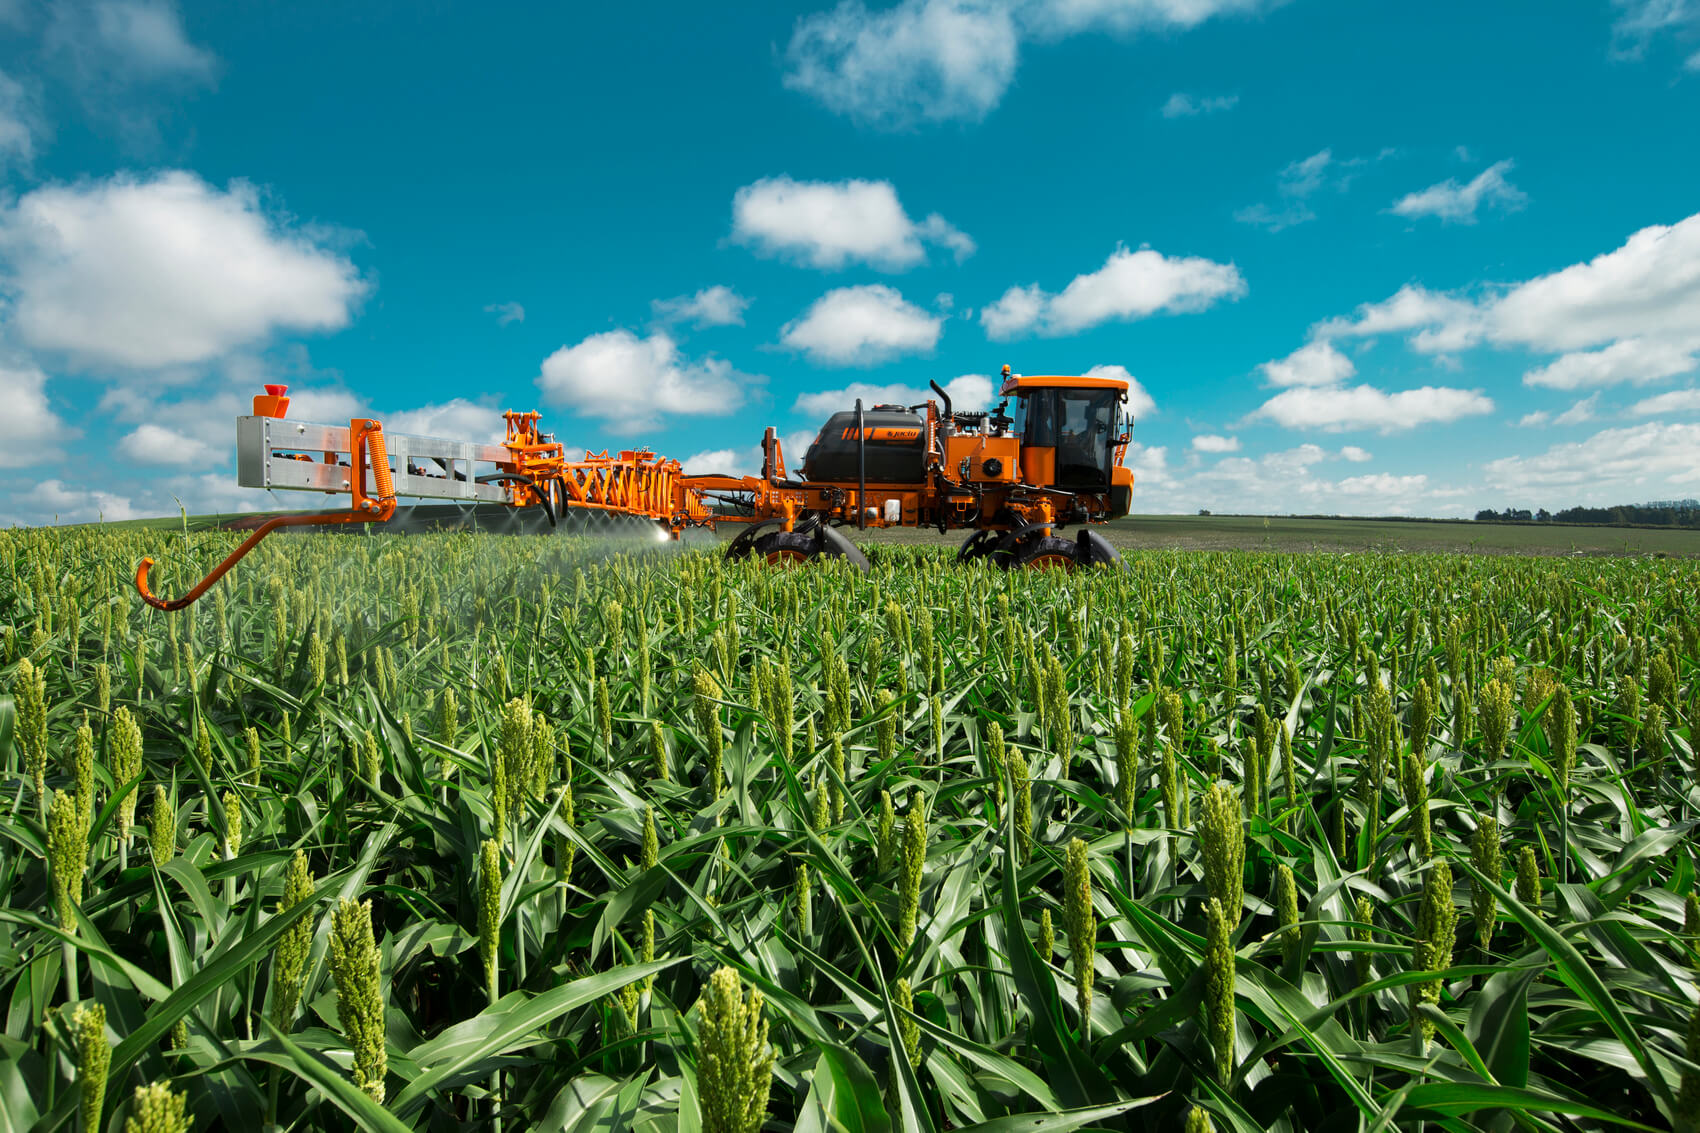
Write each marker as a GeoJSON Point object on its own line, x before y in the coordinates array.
{"type": "Point", "coordinates": [270, 452]}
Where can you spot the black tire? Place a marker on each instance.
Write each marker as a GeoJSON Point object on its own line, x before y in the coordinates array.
{"type": "Point", "coordinates": [1046, 552]}
{"type": "Point", "coordinates": [784, 548]}
{"type": "Point", "coordinates": [977, 546]}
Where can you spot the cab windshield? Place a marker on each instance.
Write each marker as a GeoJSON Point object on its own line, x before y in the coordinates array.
{"type": "Point", "coordinates": [1080, 425]}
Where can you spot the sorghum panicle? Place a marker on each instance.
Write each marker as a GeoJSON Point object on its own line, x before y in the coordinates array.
{"type": "Point", "coordinates": [735, 1064]}
{"type": "Point", "coordinates": [359, 993]}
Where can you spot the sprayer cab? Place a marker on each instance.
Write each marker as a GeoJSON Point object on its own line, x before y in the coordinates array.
{"type": "Point", "coordinates": [1073, 436]}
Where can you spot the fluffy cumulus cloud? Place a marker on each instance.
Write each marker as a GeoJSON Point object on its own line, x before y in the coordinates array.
{"type": "Point", "coordinates": [1650, 461]}
{"type": "Point", "coordinates": [629, 382]}
{"type": "Point", "coordinates": [859, 326]}
{"type": "Point", "coordinates": [1457, 203]}
{"type": "Point", "coordinates": [920, 61]}
{"type": "Point", "coordinates": [1210, 443]}
{"type": "Point", "coordinates": [150, 443]}
{"type": "Point", "coordinates": [1627, 316]}
{"type": "Point", "coordinates": [1183, 105]}
{"type": "Point", "coordinates": [1313, 364]}
{"type": "Point", "coordinates": [456, 419]}
{"type": "Point", "coordinates": [1130, 285]}
{"type": "Point", "coordinates": [1356, 455]}
{"type": "Point", "coordinates": [1341, 408]}
{"type": "Point", "coordinates": [30, 432]}
{"type": "Point", "coordinates": [967, 392]}
{"type": "Point", "coordinates": [144, 273]}
{"type": "Point", "coordinates": [717, 306]}
{"type": "Point", "coordinates": [831, 224]}
{"type": "Point", "coordinates": [927, 61]}
{"type": "Point", "coordinates": [1140, 403]}
{"type": "Point", "coordinates": [1442, 323]}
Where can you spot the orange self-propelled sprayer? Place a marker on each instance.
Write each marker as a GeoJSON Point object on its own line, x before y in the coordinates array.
{"type": "Point", "coordinates": [1012, 481]}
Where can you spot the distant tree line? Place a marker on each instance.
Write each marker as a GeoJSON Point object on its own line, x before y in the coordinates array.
{"type": "Point", "coordinates": [1661, 513]}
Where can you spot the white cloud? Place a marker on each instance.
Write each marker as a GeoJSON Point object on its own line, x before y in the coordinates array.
{"type": "Point", "coordinates": [716, 306]}
{"type": "Point", "coordinates": [1631, 315]}
{"type": "Point", "coordinates": [1339, 408]}
{"type": "Point", "coordinates": [156, 444]}
{"type": "Point", "coordinates": [166, 271]}
{"type": "Point", "coordinates": [629, 382]}
{"type": "Point", "coordinates": [859, 326]}
{"type": "Point", "coordinates": [1130, 285]}
{"type": "Point", "coordinates": [1290, 481]}
{"type": "Point", "coordinates": [928, 61]}
{"type": "Point", "coordinates": [967, 392]}
{"type": "Point", "coordinates": [147, 38]}
{"type": "Point", "coordinates": [920, 61]}
{"type": "Point", "coordinates": [1140, 403]}
{"type": "Point", "coordinates": [1209, 443]}
{"type": "Point", "coordinates": [53, 501]}
{"type": "Point", "coordinates": [114, 43]}
{"type": "Point", "coordinates": [1648, 288]}
{"type": "Point", "coordinates": [830, 224]}
{"type": "Point", "coordinates": [1182, 105]}
{"type": "Point", "coordinates": [20, 122]}
{"type": "Point", "coordinates": [1296, 183]}
{"type": "Point", "coordinates": [455, 419]}
{"type": "Point", "coordinates": [1633, 360]}
{"type": "Point", "coordinates": [1443, 323]}
{"type": "Point", "coordinates": [1314, 364]}
{"type": "Point", "coordinates": [509, 312]}
{"type": "Point", "coordinates": [724, 462]}
{"type": "Point", "coordinates": [1641, 21]}
{"type": "Point", "coordinates": [1355, 454]}
{"type": "Point", "coordinates": [1579, 413]}
{"type": "Point", "coordinates": [746, 460]}
{"type": "Point", "coordinates": [1454, 202]}
{"type": "Point", "coordinates": [30, 432]}
{"type": "Point", "coordinates": [1676, 401]}
{"type": "Point", "coordinates": [1613, 466]}
{"type": "Point", "coordinates": [1054, 17]}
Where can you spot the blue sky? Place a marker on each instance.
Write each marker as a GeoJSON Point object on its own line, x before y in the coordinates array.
{"type": "Point", "coordinates": [1360, 259]}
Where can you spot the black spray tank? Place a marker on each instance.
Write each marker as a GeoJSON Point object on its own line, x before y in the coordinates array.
{"type": "Point", "coordinates": [896, 452]}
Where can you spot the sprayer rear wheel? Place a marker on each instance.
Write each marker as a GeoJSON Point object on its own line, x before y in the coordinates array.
{"type": "Point", "coordinates": [1046, 553]}
{"type": "Point", "coordinates": [785, 548]}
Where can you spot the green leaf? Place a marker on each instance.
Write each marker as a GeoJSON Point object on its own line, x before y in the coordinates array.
{"type": "Point", "coordinates": [328, 1078]}
{"type": "Point", "coordinates": [1499, 1025]}
{"type": "Point", "coordinates": [1581, 978]}
{"type": "Point", "coordinates": [1053, 1122]}
{"type": "Point", "coordinates": [507, 1025]}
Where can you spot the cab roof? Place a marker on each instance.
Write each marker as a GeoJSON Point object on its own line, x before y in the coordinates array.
{"type": "Point", "coordinates": [1025, 383]}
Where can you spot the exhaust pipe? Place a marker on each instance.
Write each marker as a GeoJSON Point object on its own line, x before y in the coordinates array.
{"type": "Point", "coordinates": [938, 389]}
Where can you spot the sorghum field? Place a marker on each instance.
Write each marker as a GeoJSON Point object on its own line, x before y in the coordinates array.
{"type": "Point", "coordinates": [462, 832]}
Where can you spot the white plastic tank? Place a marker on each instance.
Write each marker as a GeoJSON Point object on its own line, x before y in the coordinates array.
{"type": "Point", "coordinates": [894, 511]}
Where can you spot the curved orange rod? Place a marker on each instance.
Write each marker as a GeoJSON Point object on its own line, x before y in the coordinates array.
{"type": "Point", "coordinates": [365, 433]}
{"type": "Point", "coordinates": [235, 556]}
